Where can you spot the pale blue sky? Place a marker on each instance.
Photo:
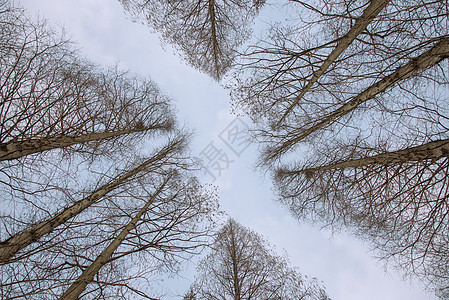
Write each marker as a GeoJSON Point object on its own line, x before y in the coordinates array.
{"type": "Point", "coordinates": [106, 35]}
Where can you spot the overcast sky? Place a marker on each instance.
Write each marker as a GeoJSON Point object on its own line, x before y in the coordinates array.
{"type": "Point", "coordinates": [105, 35]}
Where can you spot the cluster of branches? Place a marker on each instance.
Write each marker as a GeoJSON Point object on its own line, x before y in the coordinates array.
{"type": "Point", "coordinates": [242, 265]}
{"type": "Point", "coordinates": [207, 32]}
{"type": "Point", "coordinates": [359, 88]}
{"type": "Point", "coordinates": [51, 98]}
{"type": "Point", "coordinates": [86, 211]}
{"type": "Point", "coordinates": [112, 247]}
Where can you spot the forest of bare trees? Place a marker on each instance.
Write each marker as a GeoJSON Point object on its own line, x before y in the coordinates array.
{"type": "Point", "coordinates": [349, 103]}
{"type": "Point", "coordinates": [87, 209]}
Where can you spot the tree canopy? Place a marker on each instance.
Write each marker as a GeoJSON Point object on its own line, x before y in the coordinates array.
{"type": "Point", "coordinates": [98, 192]}
{"type": "Point", "coordinates": [242, 265]}
{"type": "Point", "coordinates": [349, 103]}
{"type": "Point", "coordinates": [208, 33]}
{"type": "Point", "coordinates": [98, 189]}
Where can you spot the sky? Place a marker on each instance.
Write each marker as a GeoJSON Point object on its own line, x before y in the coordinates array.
{"type": "Point", "coordinates": [105, 34]}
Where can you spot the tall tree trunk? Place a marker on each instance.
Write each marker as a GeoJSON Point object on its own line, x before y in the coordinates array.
{"type": "Point", "coordinates": [75, 290]}
{"type": "Point", "coordinates": [16, 150]}
{"type": "Point", "coordinates": [432, 150]}
{"type": "Point", "coordinates": [12, 245]}
{"type": "Point", "coordinates": [215, 45]}
{"type": "Point", "coordinates": [430, 58]}
{"type": "Point", "coordinates": [235, 261]}
{"type": "Point", "coordinates": [360, 24]}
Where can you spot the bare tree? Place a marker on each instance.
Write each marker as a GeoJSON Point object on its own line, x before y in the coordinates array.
{"type": "Point", "coordinates": [359, 26]}
{"type": "Point", "coordinates": [51, 98]}
{"type": "Point", "coordinates": [207, 32]}
{"type": "Point", "coordinates": [178, 235]}
{"type": "Point", "coordinates": [316, 74]}
{"type": "Point", "coordinates": [171, 217]}
{"type": "Point", "coordinates": [60, 116]}
{"type": "Point", "coordinates": [351, 101]}
{"type": "Point", "coordinates": [241, 265]}
{"type": "Point", "coordinates": [433, 56]}
{"type": "Point", "coordinates": [75, 168]}
{"type": "Point", "coordinates": [9, 247]}
{"type": "Point", "coordinates": [397, 199]}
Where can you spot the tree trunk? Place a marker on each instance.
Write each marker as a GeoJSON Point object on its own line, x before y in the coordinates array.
{"type": "Point", "coordinates": [360, 24]}
{"type": "Point", "coordinates": [215, 46]}
{"type": "Point", "coordinates": [430, 58]}
{"type": "Point", "coordinates": [235, 262]}
{"type": "Point", "coordinates": [75, 290]}
{"type": "Point", "coordinates": [432, 150]}
{"type": "Point", "coordinates": [16, 150]}
{"type": "Point", "coordinates": [12, 245]}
